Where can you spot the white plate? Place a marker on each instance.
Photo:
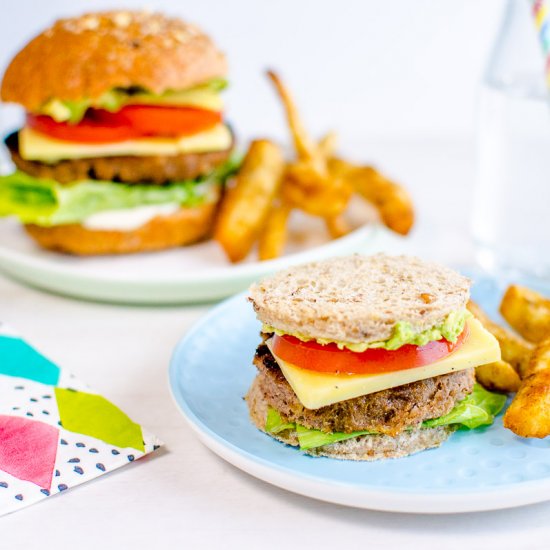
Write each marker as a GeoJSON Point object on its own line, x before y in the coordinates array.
{"type": "Point", "coordinates": [184, 275]}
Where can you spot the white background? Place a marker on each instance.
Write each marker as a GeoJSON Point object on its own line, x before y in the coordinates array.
{"type": "Point", "coordinates": [370, 68]}
{"type": "Point", "coordinates": [398, 80]}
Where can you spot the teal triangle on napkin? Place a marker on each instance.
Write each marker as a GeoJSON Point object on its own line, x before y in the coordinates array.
{"type": "Point", "coordinates": [19, 359]}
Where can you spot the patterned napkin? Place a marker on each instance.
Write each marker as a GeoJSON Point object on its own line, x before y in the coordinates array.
{"type": "Point", "coordinates": [55, 433]}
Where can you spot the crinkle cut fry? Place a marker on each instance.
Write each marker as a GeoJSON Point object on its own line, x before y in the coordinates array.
{"type": "Point", "coordinates": [529, 412]}
{"type": "Point", "coordinates": [527, 311]}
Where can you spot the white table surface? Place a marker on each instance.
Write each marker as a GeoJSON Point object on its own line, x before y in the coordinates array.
{"type": "Point", "coordinates": [184, 496]}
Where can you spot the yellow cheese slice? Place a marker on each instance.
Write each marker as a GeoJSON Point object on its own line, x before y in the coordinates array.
{"type": "Point", "coordinates": [315, 389]}
{"type": "Point", "coordinates": [36, 146]}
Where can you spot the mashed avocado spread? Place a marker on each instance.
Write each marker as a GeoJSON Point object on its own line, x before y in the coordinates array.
{"type": "Point", "coordinates": [204, 95]}
{"type": "Point", "coordinates": [403, 333]}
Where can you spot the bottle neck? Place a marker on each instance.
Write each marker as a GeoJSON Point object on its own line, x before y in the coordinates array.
{"type": "Point", "coordinates": [517, 62]}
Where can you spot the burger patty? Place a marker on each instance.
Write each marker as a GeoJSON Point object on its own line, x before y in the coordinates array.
{"type": "Point", "coordinates": [123, 169]}
{"type": "Point", "coordinates": [387, 412]}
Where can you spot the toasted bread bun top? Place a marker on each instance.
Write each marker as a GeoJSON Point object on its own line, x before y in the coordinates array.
{"type": "Point", "coordinates": [359, 298]}
{"type": "Point", "coordinates": [83, 57]}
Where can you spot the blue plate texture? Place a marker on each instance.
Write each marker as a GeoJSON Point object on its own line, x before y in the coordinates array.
{"type": "Point", "coordinates": [482, 469]}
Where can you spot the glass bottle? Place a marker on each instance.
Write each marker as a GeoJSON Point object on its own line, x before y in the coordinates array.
{"type": "Point", "coordinates": [511, 210]}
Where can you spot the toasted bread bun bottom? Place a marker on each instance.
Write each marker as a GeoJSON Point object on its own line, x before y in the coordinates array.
{"type": "Point", "coordinates": [186, 226]}
{"type": "Point", "coordinates": [365, 447]}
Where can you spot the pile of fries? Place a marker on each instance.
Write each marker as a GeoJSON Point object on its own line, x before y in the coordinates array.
{"type": "Point", "coordinates": [525, 365]}
{"type": "Point", "coordinates": [256, 208]}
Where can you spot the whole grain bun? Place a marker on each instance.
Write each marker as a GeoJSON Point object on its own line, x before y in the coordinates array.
{"type": "Point", "coordinates": [364, 447]}
{"type": "Point", "coordinates": [359, 298]}
{"type": "Point", "coordinates": [186, 226]}
{"type": "Point", "coordinates": [83, 57]}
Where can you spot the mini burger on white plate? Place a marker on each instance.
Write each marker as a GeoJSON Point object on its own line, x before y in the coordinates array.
{"type": "Point", "coordinates": [365, 358]}
{"type": "Point", "coordinates": [124, 148]}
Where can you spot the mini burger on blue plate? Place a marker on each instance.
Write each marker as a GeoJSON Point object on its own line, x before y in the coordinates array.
{"type": "Point", "coordinates": [365, 358]}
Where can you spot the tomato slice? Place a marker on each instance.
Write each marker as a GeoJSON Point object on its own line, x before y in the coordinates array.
{"type": "Point", "coordinates": [155, 120]}
{"type": "Point", "coordinates": [132, 121]}
{"type": "Point", "coordinates": [97, 126]}
{"type": "Point", "coordinates": [329, 358]}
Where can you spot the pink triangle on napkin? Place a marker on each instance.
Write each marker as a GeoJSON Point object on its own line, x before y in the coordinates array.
{"type": "Point", "coordinates": [28, 449]}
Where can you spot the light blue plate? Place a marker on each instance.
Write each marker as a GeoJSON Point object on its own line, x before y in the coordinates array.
{"type": "Point", "coordinates": [482, 469]}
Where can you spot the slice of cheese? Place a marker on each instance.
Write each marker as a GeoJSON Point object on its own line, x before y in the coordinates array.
{"type": "Point", "coordinates": [36, 146]}
{"type": "Point", "coordinates": [315, 389]}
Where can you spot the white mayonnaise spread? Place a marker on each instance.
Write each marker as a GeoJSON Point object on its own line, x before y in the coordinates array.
{"type": "Point", "coordinates": [128, 219]}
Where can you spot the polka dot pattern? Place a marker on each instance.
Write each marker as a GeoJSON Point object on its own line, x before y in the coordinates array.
{"type": "Point", "coordinates": [82, 455]}
{"type": "Point", "coordinates": [27, 399]}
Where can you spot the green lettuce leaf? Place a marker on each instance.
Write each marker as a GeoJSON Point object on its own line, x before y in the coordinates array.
{"type": "Point", "coordinates": [309, 439]}
{"type": "Point", "coordinates": [274, 422]}
{"type": "Point", "coordinates": [45, 202]}
{"type": "Point", "coordinates": [477, 409]}
{"type": "Point", "coordinates": [113, 100]}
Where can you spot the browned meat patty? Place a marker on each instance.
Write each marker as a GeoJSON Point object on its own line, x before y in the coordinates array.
{"type": "Point", "coordinates": [126, 169]}
{"type": "Point", "coordinates": [386, 412]}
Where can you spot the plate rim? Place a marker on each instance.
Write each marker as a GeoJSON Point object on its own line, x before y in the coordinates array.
{"type": "Point", "coordinates": [227, 273]}
{"type": "Point", "coordinates": [481, 499]}
{"type": "Point", "coordinates": [203, 285]}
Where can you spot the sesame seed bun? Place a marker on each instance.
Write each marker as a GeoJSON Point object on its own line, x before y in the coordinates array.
{"type": "Point", "coordinates": [83, 57]}
{"type": "Point", "coordinates": [186, 226]}
{"type": "Point", "coordinates": [359, 299]}
{"type": "Point", "coordinates": [364, 447]}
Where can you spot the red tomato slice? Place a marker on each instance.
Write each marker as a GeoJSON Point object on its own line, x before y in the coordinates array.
{"type": "Point", "coordinates": [155, 120]}
{"type": "Point", "coordinates": [329, 358]}
{"type": "Point", "coordinates": [132, 121]}
{"type": "Point", "coordinates": [96, 127]}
